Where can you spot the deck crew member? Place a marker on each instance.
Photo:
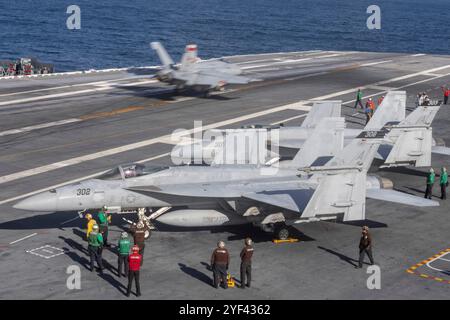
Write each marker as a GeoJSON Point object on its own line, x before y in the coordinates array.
{"type": "Point", "coordinates": [90, 224]}
{"type": "Point", "coordinates": [430, 183]}
{"type": "Point", "coordinates": [368, 113]}
{"type": "Point", "coordinates": [371, 105]}
{"type": "Point", "coordinates": [104, 218]}
{"type": "Point", "coordinates": [134, 261]}
{"type": "Point", "coordinates": [246, 263]}
{"type": "Point", "coordinates": [220, 261]}
{"type": "Point", "coordinates": [359, 99]}
{"type": "Point", "coordinates": [95, 242]}
{"type": "Point", "coordinates": [446, 92]}
{"type": "Point", "coordinates": [365, 247]}
{"type": "Point", "coordinates": [138, 232]}
{"type": "Point", "coordinates": [443, 181]}
{"type": "Point", "coordinates": [124, 251]}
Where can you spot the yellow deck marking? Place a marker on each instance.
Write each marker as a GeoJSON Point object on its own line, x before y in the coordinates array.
{"type": "Point", "coordinates": [425, 276]}
{"type": "Point", "coordinates": [110, 113]}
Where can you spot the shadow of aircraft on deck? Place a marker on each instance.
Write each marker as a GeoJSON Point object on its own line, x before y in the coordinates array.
{"type": "Point", "coordinates": [70, 220]}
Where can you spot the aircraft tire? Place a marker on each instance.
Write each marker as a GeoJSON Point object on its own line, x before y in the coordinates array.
{"type": "Point", "coordinates": [281, 231]}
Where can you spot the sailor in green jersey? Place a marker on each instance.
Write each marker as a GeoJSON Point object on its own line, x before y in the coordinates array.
{"type": "Point", "coordinates": [430, 183]}
{"type": "Point", "coordinates": [104, 218]}
{"type": "Point", "coordinates": [124, 251]}
{"type": "Point", "coordinates": [359, 99]}
{"type": "Point", "coordinates": [443, 182]}
{"type": "Point", "coordinates": [95, 242]}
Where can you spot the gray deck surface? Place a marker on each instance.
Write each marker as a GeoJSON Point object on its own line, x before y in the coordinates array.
{"type": "Point", "coordinates": [114, 109]}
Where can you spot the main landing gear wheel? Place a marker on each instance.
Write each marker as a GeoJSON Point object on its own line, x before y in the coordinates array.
{"type": "Point", "coordinates": [281, 231]}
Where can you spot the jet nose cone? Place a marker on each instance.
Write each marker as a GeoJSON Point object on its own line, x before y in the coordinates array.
{"type": "Point", "coordinates": [41, 202]}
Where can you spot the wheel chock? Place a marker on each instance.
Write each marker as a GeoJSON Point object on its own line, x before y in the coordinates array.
{"type": "Point", "coordinates": [230, 281]}
{"type": "Point", "coordinates": [288, 240]}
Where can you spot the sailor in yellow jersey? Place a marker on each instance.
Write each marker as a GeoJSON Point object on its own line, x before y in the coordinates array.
{"type": "Point", "coordinates": [90, 224]}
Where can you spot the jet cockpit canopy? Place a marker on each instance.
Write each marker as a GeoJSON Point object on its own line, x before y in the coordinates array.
{"type": "Point", "coordinates": [132, 170]}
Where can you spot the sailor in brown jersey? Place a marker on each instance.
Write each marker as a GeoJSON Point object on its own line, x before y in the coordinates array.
{"type": "Point", "coordinates": [246, 263]}
{"type": "Point", "coordinates": [220, 261]}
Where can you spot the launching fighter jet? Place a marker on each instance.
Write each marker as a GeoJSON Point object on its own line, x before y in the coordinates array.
{"type": "Point", "coordinates": [270, 196]}
{"type": "Point", "coordinates": [195, 73]}
{"type": "Point", "coordinates": [415, 148]}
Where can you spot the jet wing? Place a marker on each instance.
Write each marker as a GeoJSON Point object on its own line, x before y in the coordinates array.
{"type": "Point", "coordinates": [294, 200]}
{"type": "Point", "coordinates": [400, 197]}
{"type": "Point", "coordinates": [290, 143]}
{"type": "Point", "coordinates": [441, 150]}
{"type": "Point", "coordinates": [225, 189]}
{"type": "Point", "coordinates": [192, 190]}
{"type": "Point", "coordinates": [291, 195]}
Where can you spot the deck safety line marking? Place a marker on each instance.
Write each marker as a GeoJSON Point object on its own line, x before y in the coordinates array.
{"type": "Point", "coordinates": [434, 258]}
{"type": "Point", "coordinates": [375, 63]}
{"type": "Point", "coordinates": [104, 153]}
{"type": "Point", "coordinates": [289, 119]}
{"type": "Point", "coordinates": [288, 61]}
{"type": "Point", "coordinates": [412, 269]}
{"type": "Point", "coordinates": [276, 63]}
{"type": "Point", "coordinates": [70, 73]}
{"type": "Point", "coordinates": [95, 83]}
{"type": "Point", "coordinates": [29, 236]}
{"type": "Point", "coordinates": [39, 126]}
{"type": "Point", "coordinates": [74, 93]}
{"type": "Point", "coordinates": [59, 252]}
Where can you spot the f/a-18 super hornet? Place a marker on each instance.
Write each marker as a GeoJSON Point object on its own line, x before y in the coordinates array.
{"type": "Point", "coordinates": [269, 196]}
{"type": "Point", "coordinates": [193, 73]}
{"type": "Point", "coordinates": [414, 148]}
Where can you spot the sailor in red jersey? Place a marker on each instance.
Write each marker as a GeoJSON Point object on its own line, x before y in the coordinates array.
{"type": "Point", "coordinates": [446, 92]}
{"type": "Point", "coordinates": [134, 261]}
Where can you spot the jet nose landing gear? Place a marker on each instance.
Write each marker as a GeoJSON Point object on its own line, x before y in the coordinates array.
{"type": "Point", "coordinates": [281, 231]}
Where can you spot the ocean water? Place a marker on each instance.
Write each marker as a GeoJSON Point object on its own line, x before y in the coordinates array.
{"type": "Point", "coordinates": [116, 33]}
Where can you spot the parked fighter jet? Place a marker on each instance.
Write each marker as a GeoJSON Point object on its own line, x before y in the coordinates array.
{"type": "Point", "coordinates": [270, 196]}
{"type": "Point", "coordinates": [415, 148]}
{"type": "Point", "coordinates": [195, 73]}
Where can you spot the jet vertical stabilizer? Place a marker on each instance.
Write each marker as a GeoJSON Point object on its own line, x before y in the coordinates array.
{"type": "Point", "coordinates": [422, 116]}
{"type": "Point", "coordinates": [190, 56]}
{"type": "Point", "coordinates": [392, 109]}
{"type": "Point", "coordinates": [166, 60]}
{"type": "Point", "coordinates": [320, 110]}
{"type": "Point", "coordinates": [412, 139]}
{"type": "Point", "coordinates": [326, 141]}
{"type": "Point", "coordinates": [342, 183]}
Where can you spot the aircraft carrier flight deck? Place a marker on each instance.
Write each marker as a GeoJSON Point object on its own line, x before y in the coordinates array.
{"type": "Point", "coordinates": [62, 128]}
